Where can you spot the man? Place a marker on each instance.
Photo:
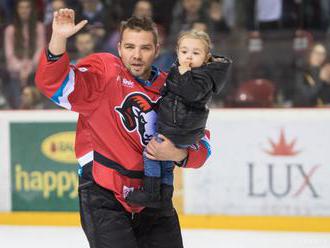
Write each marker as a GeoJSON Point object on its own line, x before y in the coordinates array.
{"type": "Point", "coordinates": [115, 98]}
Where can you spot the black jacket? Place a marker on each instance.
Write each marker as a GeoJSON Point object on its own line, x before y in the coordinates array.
{"type": "Point", "coordinates": [183, 111]}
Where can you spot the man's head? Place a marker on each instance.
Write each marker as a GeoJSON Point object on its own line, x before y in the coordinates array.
{"type": "Point", "coordinates": [84, 43]}
{"type": "Point", "coordinates": [143, 8]}
{"type": "Point", "coordinates": [138, 45]}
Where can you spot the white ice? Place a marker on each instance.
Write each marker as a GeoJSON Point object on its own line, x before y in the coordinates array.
{"type": "Point", "coordinates": [73, 237]}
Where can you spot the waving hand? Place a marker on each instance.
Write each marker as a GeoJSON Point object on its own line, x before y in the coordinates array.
{"type": "Point", "coordinates": [63, 27]}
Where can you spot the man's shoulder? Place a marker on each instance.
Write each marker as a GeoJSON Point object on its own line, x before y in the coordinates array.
{"type": "Point", "coordinates": [107, 57]}
{"type": "Point", "coordinates": [105, 60]}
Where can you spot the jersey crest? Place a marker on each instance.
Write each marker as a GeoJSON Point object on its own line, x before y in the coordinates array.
{"type": "Point", "coordinates": [138, 114]}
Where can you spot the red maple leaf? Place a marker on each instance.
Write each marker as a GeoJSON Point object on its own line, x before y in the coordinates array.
{"type": "Point", "coordinates": [282, 147]}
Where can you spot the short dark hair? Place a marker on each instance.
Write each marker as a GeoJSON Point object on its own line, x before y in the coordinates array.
{"type": "Point", "coordinates": [139, 24]}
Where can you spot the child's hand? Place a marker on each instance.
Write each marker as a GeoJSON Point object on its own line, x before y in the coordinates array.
{"type": "Point", "coordinates": [184, 68]}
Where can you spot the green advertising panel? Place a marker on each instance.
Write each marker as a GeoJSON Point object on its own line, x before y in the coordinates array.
{"type": "Point", "coordinates": [43, 167]}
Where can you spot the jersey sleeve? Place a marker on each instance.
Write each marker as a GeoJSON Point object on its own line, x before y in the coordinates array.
{"type": "Point", "coordinates": [199, 153]}
{"type": "Point", "coordinates": [77, 88]}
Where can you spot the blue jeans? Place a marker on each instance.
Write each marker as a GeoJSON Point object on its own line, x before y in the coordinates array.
{"type": "Point", "coordinates": [157, 168]}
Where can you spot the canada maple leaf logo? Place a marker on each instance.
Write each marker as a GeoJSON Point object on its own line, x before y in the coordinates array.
{"type": "Point", "coordinates": [282, 147]}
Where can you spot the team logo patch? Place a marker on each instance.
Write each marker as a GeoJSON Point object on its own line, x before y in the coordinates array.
{"type": "Point", "coordinates": [137, 113]}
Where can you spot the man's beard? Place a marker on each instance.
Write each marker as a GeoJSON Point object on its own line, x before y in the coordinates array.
{"type": "Point", "coordinates": [143, 74]}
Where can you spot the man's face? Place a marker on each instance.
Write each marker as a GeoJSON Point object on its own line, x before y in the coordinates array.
{"type": "Point", "coordinates": [137, 51]}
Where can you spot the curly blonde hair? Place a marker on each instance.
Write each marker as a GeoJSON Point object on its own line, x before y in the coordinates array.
{"type": "Point", "coordinates": [195, 34]}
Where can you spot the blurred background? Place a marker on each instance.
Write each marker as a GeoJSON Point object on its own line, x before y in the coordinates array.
{"type": "Point", "coordinates": [269, 170]}
{"type": "Point", "coordinates": [279, 48]}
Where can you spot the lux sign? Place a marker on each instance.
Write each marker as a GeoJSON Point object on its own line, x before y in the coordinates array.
{"type": "Point", "coordinates": [293, 187]}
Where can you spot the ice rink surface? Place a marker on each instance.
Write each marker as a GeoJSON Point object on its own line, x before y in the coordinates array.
{"type": "Point", "coordinates": [73, 237]}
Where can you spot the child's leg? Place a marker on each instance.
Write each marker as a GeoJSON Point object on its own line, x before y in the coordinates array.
{"type": "Point", "coordinates": [152, 168]}
{"type": "Point", "coordinates": [167, 186]}
{"type": "Point", "coordinates": [149, 196]}
{"type": "Point", "coordinates": [167, 168]}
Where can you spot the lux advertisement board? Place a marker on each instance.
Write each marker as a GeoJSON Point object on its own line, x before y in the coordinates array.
{"type": "Point", "coordinates": [274, 163]}
{"type": "Point", "coordinates": [43, 166]}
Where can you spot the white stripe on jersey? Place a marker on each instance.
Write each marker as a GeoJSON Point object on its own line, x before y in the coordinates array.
{"type": "Point", "coordinates": [85, 159]}
{"type": "Point", "coordinates": [62, 94]}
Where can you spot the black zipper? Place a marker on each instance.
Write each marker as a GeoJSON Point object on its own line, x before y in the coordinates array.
{"type": "Point", "coordinates": [174, 109]}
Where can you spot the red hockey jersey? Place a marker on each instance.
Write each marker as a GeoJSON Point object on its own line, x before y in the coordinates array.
{"type": "Point", "coordinates": [116, 117]}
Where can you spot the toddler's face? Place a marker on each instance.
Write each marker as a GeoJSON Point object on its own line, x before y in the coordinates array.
{"type": "Point", "coordinates": [192, 52]}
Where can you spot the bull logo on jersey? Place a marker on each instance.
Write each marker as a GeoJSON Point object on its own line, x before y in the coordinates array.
{"type": "Point", "coordinates": [137, 113]}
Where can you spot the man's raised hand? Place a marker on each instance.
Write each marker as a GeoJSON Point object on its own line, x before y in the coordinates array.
{"type": "Point", "coordinates": [64, 23]}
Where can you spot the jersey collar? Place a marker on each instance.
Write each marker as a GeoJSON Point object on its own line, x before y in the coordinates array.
{"type": "Point", "coordinates": [153, 76]}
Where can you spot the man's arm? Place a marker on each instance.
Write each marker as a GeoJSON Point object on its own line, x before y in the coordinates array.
{"type": "Point", "coordinates": [198, 153]}
{"type": "Point", "coordinates": [192, 157]}
{"type": "Point", "coordinates": [77, 88]}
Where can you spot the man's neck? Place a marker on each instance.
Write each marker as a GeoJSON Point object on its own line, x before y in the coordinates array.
{"type": "Point", "coordinates": [149, 77]}
{"type": "Point", "coordinates": [146, 75]}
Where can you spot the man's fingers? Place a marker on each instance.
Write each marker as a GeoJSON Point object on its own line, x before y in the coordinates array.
{"type": "Point", "coordinates": [64, 16]}
{"type": "Point", "coordinates": [56, 16]}
{"type": "Point", "coordinates": [60, 16]}
{"type": "Point", "coordinates": [150, 150]}
{"type": "Point", "coordinates": [72, 15]}
{"type": "Point", "coordinates": [65, 12]}
{"type": "Point", "coordinates": [62, 13]}
{"type": "Point", "coordinates": [148, 155]}
{"type": "Point", "coordinates": [162, 137]}
{"type": "Point", "coordinates": [68, 16]}
{"type": "Point", "coordinates": [80, 25]}
{"type": "Point", "coordinates": [154, 142]}
{"type": "Point", "coordinates": [151, 147]}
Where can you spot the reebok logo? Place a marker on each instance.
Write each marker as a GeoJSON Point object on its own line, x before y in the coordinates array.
{"type": "Point", "coordinates": [128, 83]}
